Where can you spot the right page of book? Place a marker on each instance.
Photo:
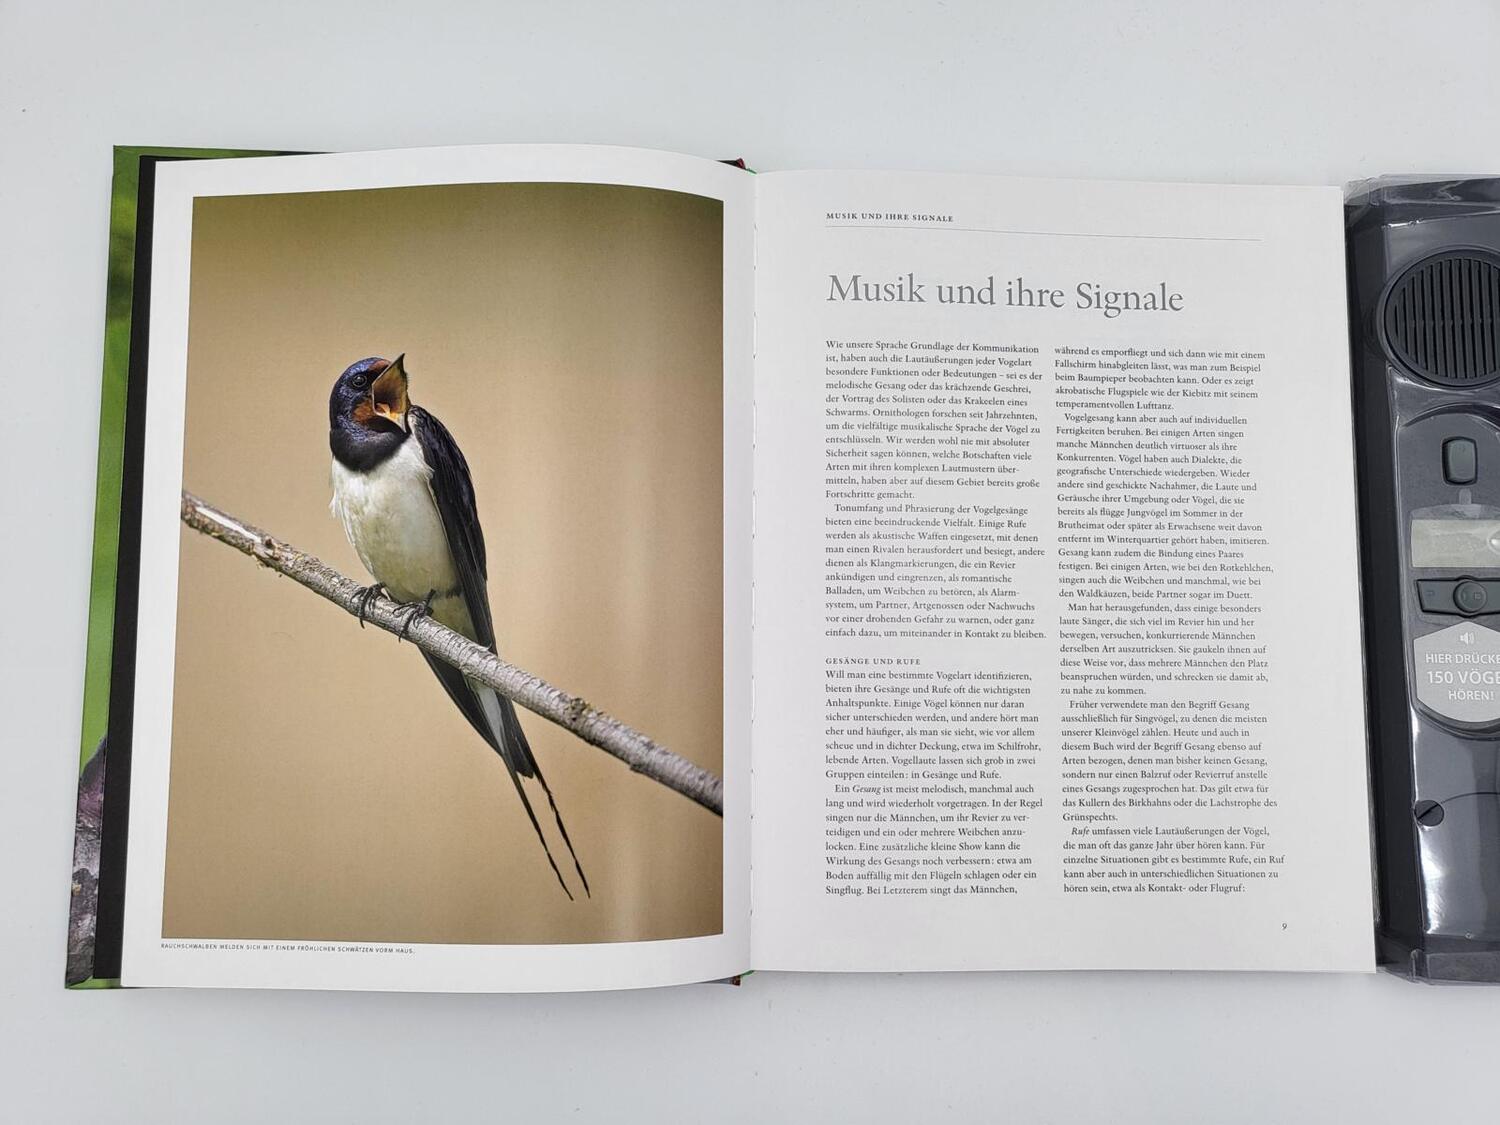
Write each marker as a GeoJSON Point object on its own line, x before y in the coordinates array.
{"type": "Point", "coordinates": [1057, 635]}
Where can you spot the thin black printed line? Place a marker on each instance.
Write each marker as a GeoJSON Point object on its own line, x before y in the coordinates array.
{"type": "Point", "coordinates": [1044, 233]}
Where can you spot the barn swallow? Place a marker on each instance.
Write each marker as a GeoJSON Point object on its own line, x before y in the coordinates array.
{"type": "Point", "coordinates": [402, 490]}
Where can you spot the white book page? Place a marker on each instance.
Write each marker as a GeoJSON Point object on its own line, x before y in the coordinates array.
{"type": "Point", "coordinates": [1057, 645]}
{"type": "Point", "coordinates": [289, 942]}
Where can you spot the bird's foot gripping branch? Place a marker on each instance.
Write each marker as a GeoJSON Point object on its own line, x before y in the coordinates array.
{"type": "Point", "coordinates": [640, 753]}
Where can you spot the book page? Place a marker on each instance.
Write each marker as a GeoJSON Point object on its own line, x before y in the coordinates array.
{"type": "Point", "coordinates": [512, 386]}
{"type": "Point", "coordinates": [1057, 647]}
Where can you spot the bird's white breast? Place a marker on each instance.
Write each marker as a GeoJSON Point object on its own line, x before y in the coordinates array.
{"type": "Point", "coordinates": [392, 522]}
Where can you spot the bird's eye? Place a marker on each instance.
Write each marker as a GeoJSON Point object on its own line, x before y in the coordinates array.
{"type": "Point", "coordinates": [360, 381]}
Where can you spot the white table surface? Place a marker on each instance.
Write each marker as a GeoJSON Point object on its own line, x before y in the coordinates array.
{"type": "Point", "coordinates": [1286, 92]}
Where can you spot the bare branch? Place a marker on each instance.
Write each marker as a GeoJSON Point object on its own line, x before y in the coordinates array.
{"type": "Point", "coordinates": [637, 751]}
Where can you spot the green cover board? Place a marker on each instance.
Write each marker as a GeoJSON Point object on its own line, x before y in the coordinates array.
{"type": "Point", "coordinates": [118, 309]}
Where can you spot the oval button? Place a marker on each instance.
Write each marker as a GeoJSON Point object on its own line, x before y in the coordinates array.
{"type": "Point", "coordinates": [1470, 597]}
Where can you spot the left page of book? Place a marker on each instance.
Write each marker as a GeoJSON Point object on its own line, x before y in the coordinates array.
{"type": "Point", "coordinates": [508, 388]}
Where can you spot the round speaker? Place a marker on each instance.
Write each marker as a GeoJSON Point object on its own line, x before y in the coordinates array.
{"type": "Point", "coordinates": [1442, 318]}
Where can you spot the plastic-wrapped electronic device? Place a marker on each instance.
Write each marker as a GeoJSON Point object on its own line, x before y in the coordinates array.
{"type": "Point", "coordinates": [1424, 290]}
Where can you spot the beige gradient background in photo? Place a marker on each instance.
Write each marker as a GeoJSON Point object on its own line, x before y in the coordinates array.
{"type": "Point", "coordinates": [570, 336]}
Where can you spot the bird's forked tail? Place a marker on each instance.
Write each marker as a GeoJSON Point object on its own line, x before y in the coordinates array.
{"type": "Point", "coordinates": [515, 752]}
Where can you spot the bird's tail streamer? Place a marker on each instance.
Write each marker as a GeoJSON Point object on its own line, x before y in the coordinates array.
{"type": "Point", "coordinates": [526, 803]}
{"type": "Point", "coordinates": [562, 828]}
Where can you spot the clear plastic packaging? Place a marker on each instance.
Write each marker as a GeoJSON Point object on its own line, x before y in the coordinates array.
{"type": "Point", "coordinates": [1424, 290]}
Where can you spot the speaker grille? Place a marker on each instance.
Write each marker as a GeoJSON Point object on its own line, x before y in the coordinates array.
{"type": "Point", "coordinates": [1442, 319]}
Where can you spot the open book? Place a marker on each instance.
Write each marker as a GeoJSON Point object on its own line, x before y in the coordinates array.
{"type": "Point", "coordinates": [807, 571]}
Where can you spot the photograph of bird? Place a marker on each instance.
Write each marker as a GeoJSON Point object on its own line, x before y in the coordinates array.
{"type": "Point", "coordinates": [402, 490]}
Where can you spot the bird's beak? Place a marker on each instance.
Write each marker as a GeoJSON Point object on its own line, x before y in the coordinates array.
{"type": "Point", "coordinates": [388, 393]}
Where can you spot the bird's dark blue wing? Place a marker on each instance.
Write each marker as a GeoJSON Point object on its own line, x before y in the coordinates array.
{"type": "Point", "coordinates": [453, 491]}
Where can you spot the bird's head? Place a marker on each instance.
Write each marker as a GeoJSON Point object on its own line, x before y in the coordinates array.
{"type": "Point", "coordinates": [372, 395]}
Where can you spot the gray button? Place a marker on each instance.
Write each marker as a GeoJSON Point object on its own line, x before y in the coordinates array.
{"type": "Point", "coordinates": [1435, 596]}
{"type": "Point", "coordinates": [1460, 461]}
{"type": "Point", "coordinates": [1470, 597]}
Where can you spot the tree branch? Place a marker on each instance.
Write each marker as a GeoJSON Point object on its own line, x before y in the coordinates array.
{"type": "Point", "coordinates": [637, 751]}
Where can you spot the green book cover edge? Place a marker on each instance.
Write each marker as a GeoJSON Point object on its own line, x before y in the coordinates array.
{"type": "Point", "coordinates": [124, 201]}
